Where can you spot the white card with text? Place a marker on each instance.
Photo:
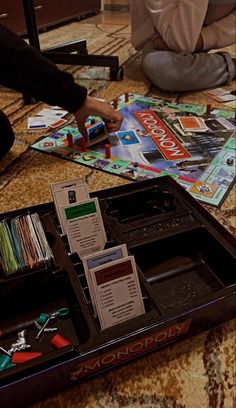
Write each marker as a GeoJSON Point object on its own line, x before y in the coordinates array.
{"type": "Point", "coordinates": [84, 227]}
{"type": "Point", "coordinates": [66, 193]}
{"type": "Point", "coordinates": [100, 258]}
{"type": "Point", "coordinates": [117, 292]}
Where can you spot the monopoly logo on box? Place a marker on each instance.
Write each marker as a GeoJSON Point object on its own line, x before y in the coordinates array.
{"type": "Point", "coordinates": [129, 351]}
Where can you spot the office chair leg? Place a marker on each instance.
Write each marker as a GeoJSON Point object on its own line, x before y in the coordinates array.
{"type": "Point", "coordinates": [28, 100]}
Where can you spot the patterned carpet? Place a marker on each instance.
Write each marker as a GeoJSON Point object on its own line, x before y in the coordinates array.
{"type": "Point", "coordinates": [194, 373]}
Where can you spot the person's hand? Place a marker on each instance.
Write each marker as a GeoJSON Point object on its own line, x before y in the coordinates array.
{"type": "Point", "coordinates": [93, 106]}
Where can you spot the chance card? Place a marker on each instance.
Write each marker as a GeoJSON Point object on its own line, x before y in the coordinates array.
{"type": "Point", "coordinates": [84, 227]}
{"type": "Point", "coordinates": [127, 137]}
{"type": "Point", "coordinates": [68, 192]}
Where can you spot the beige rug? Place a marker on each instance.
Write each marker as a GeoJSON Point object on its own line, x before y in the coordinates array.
{"type": "Point", "coordinates": [195, 373]}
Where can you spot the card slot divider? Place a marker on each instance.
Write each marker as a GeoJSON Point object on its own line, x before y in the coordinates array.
{"type": "Point", "coordinates": [65, 260]}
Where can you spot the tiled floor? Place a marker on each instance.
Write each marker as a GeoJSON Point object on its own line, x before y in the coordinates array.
{"type": "Point", "coordinates": [109, 17]}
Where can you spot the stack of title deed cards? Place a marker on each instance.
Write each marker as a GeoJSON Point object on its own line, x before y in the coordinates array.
{"type": "Point", "coordinates": [79, 216]}
{"type": "Point", "coordinates": [192, 124]}
{"type": "Point", "coordinates": [221, 94]}
{"type": "Point", "coordinates": [23, 244]}
{"type": "Point", "coordinates": [113, 285]}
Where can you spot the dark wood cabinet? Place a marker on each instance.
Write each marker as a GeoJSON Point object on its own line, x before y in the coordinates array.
{"type": "Point", "coordinates": [12, 15]}
{"type": "Point", "coordinates": [47, 12]}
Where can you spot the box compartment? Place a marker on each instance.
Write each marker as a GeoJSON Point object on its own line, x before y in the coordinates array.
{"type": "Point", "coordinates": [145, 212]}
{"type": "Point", "coordinates": [23, 300]}
{"type": "Point", "coordinates": [151, 314]}
{"type": "Point", "coordinates": [184, 269]}
{"type": "Point", "coordinates": [186, 264]}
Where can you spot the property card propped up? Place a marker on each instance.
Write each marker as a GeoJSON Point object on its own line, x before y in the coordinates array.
{"type": "Point", "coordinates": [66, 193]}
{"type": "Point", "coordinates": [100, 258]}
{"type": "Point", "coordinates": [117, 292]}
{"type": "Point", "coordinates": [84, 227]}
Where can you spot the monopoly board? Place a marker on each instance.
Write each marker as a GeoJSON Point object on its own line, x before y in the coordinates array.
{"type": "Point", "coordinates": [158, 137]}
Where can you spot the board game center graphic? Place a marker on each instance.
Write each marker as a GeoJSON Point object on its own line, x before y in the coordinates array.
{"type": "Point", "coordinates": [195, 144]}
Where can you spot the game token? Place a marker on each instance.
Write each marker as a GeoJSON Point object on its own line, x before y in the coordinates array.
{"type": "Point", "coordinates": [69, 138]}
{"type": "Point", "coordinates": [230, 161]}
{"type": "Point", "coordinates": [59, 341]}
{"type": "Point", "coordinates": [4, 361]}
{"type": "Point", "coordinates": [107, 151]}
{"type": "Point", "coordinates": [115, 103]}
{"type": "Point", "coordinates": [208, 109]}
{"type": "Point", "coordinates": [83, 144]}
{"type": "Point", "coordinates": [23, 356]}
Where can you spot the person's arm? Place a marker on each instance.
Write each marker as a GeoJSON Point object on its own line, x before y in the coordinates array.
{"type": "Point", "coordinates": [179, 22]}
{"type": "Point", "coordinates": [216, 12]}
{"type": "Point", "coordinates": [24, 69]}
{"type": "Point", "coordinates": [220, 33]}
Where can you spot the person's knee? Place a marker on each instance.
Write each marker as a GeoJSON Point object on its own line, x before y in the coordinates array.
{"type": "Point", "coordinates": [183, 72]}
{"type": "Point", "coordinates": [162, 73]}
{"type": "Point", "coordinates": [169, 71]}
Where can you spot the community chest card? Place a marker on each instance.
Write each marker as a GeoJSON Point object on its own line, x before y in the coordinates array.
{"type": "Point", "coordinates": [117, 292]}
{"type": "Point", "coordinates": [100, 258]}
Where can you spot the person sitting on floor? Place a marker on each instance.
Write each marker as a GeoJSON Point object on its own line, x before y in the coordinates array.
{"type": "Point", "coordinates": [175, 37]}
{"type": "Point", "coordinates": [24, 69]}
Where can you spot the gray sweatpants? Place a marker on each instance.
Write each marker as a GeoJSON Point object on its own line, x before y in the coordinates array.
{"type": "Point", "coordinates": [180, 72]}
